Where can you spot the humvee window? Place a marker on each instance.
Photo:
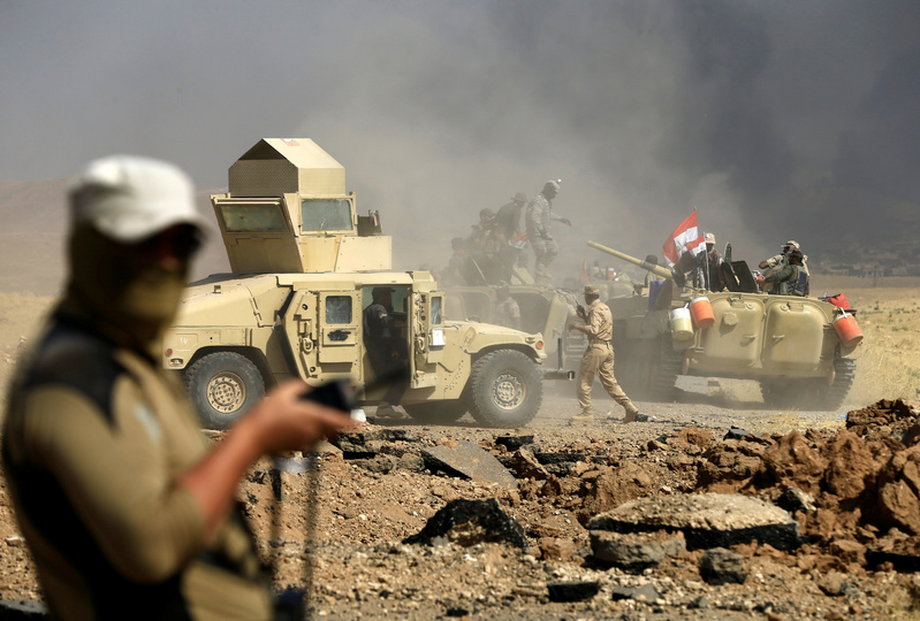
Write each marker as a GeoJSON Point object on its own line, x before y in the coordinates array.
{"type": "Point", "coordinates": [436, 310]}
{"type": "Point", "coordinates": [338, 309]}
{"type": "Point", "coordinates": [252, 218]}
{"type": "Point", "coordinates": [328, 214]}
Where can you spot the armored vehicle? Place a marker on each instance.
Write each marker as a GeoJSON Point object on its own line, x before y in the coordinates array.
{"type": "Point", "coordinates": [304, 268]}
{"type": "Point", "coordinates": [787, 343]}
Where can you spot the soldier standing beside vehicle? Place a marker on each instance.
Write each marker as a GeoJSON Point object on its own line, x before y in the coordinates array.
{"type": "Point", "coordinates": [127, 508]}
{"type": "Point", "coordinates": [507, 311]}
{"type": "Point", "coordinates": [539, 220]}
{"type": "Point", "coordinates": [598, 359]}
{"type": "Point", "coordinates": [383, 346]}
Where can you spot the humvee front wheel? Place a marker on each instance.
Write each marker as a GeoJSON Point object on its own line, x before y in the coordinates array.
{"type": "Point", "coordinates": [222, 386]}
{"type": "Point", "coordinates": [505, 389]}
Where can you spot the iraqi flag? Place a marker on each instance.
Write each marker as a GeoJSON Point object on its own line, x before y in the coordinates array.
{"type": "Point", "coordinates": [685, 238]}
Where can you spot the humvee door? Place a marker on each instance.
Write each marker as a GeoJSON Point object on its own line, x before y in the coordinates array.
{"type": "Point", "coordinates": [324, 331]}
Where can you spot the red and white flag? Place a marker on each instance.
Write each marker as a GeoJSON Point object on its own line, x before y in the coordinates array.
{"type": "Point", "coordinates": [685, 238]}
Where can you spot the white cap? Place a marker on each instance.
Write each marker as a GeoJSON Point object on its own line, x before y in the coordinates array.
{"type": "Point", "coordinates": [129, 198]}
{"type": "Point", "coordinates": [710, 238]}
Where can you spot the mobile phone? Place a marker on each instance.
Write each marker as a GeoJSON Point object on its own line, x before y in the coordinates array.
{"type": "Point", "coordinates": [337, 394]}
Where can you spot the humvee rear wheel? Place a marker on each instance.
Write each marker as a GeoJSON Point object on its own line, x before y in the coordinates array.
{"type": "Point", "coordinates": [505, 389]}
{"type": "Point", "coordinates": [222, 386]}
{"type": "Point", "coordinates": [436, 412]}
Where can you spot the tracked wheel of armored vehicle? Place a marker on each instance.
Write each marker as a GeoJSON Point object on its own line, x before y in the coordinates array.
{"type": "Point", "coordinates": [786, 343]}
{"type": "Point", "coordinates": [304, 268]}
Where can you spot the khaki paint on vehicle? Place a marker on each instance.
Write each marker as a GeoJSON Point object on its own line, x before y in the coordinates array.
{"type": "Point", "coordinates": [304, 265]}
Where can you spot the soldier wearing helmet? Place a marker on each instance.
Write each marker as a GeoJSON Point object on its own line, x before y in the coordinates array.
{"type": "Point", "coordinates": [779, 261]}
{"type": "Point", "coordinates": [539, 220]}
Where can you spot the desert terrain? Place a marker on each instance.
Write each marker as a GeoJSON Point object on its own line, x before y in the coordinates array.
{"type": "Point", "coordinates": [369, 500]}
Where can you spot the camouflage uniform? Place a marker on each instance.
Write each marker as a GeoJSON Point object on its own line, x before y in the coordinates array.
{"type": "Point", "coordinates": [598, 359]}
{"type": "Point", "coordinates": [778, 261]}
{"type": "Point", "coordinates": [538, 220]}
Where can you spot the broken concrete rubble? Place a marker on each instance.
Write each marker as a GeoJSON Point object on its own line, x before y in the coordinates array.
{"type": "Point", "coordinates": [572, 591]}
{"type": "Point", "coordinates": [525, 466]}
{"type": "Point", "coordinates": [514, 442]}
{"type": "Point", "coordinates": [793, 499]}
{"type": "Point", "coordinates": [645, 593]}
{"type": "Point", "coordinates": [721, 566]}
{"type": "Point", "coordinates": [707, 520]}
{"type": "Point", "coordinates": [468, 522]}
{"type": "Point", "coordinates": [635, 552]}
{"type": "Point", "coordinates": [468, 461]}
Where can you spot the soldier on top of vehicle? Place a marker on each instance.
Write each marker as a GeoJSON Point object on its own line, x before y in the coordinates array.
{"type": "Point", "coordinates": [510, 233]}
{"type": "Point", "coordinates": [778, 261]}
{"type": "Point", "coordinates": [713, 260]}
{"type": "Point", "coordinates": [453, 273]}
{"type": "Point", "coordinates": [539, 229]}
{"type": "Point", "coordinates": [789, 277]}
{"type": "Point", "coordinates": [484, 245]}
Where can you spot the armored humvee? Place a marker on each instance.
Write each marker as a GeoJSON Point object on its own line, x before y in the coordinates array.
{"type": "Point", "coordinates": [787, 343]}
{"type": "Point", "coordinates": [304, 266]}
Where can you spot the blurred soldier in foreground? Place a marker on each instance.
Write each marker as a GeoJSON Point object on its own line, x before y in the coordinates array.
{"type": "Point", "coordinates": [507, 311]}
{"type": "Point", "coordinates": [508, 228]}
{"type": "Point", "coordinates": [539, 229]}
{"type": "Point", "coordinates": [128, 510]}
{"type": "Point", "coordinates": [598, 359]}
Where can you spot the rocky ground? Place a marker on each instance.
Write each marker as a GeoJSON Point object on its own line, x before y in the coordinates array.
{"type": "Point", "coordinates": [850, 486]}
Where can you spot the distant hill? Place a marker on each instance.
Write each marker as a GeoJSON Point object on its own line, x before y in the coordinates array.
{"type": "Point", "coordinates": [35, 221]}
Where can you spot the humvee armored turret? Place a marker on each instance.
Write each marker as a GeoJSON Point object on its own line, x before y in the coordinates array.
{"type": "Point", "coordinates": [787, 343]}
{"type": "Point", "coordinates": [304, 269]}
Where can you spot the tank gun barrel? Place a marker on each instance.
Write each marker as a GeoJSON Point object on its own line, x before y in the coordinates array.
{"type": "Point", "coordinates": [658, 270]}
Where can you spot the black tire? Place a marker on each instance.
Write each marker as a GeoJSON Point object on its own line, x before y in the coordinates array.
{"type": "Point", "coordinates": [223, 386]}
{"type": "Point", "coordinates": [436, 412]}
{"type": "Point", "coordinates": [505, 389]}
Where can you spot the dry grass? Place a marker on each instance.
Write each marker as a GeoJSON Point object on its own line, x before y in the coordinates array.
{"type": "Point", "coordinates": [888, 361]}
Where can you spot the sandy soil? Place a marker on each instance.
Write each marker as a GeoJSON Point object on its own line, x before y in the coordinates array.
{"type": "Point", "coordinates": [365, 509]}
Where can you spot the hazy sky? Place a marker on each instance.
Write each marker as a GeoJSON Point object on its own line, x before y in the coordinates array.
{"type": "Point", "coordinates": [775, 118]}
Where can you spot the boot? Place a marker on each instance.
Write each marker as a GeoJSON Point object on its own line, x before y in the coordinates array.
{"type": "Point", "coordinates": [585, 417]}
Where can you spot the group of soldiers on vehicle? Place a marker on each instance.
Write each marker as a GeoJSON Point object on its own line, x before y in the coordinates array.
{"type": "Point", "coordinates": [785, 273]}
{"type": "Point", "coordinates": [496, 243]}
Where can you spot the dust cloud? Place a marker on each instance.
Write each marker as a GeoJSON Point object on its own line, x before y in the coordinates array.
{"type": "Point", "coordinates": [774, 119]}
